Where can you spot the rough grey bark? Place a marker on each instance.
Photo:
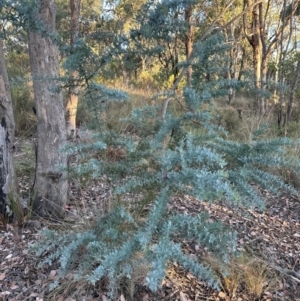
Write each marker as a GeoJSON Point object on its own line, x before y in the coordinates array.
{"type": "Point", "coordinates": [51, 185]}
{"type": "Point", "coordinates": [8, 180]}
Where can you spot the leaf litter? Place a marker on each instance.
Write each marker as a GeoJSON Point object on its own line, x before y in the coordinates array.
{"type": "Point", "coordinates": [272, 237]}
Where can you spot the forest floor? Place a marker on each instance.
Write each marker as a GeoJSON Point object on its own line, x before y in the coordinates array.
{"type": "Point", "coordinates": [268, 270]}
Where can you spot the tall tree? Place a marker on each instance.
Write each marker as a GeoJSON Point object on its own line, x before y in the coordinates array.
{"type": "Point", "coordinates": [8, 181]}
{"type": "Point", "coordinates": [188, 13]}
{"type": "Point", "coordinates": [263, 36]}
{"type": "Point", "coordinates": [293, 87]}
{"type": "Point", "coordinates": [51, 185]}
{"type": "Point", "coordinates": [71, 107]}
{"type": "Point", "coordinates": [254, 37]}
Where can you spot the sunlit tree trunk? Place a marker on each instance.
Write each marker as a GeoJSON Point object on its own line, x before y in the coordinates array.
{"type": "Point", "coordinates": [72, 103]}
{"type": "Point", "coordinates": [8, 180]}
{"type": "Point", "coordinates": [51, 185]}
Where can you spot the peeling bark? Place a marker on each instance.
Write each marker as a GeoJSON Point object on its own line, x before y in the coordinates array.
{"type": "Point", "coordinates": [8, 180]}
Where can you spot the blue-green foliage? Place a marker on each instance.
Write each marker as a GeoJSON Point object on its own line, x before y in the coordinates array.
{"type": "Point", "coordinates": [184, 154]}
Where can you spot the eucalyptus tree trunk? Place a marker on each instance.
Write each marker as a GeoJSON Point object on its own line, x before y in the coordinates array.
{"type": "Point", "coordinates": [293, 88]}
{"type": "Point", "coordinates": [254, 39]}
{"type": "Point", "coordinates": [232, 71]}
{"type": "Point", "coordinates": [51, 185]}
{"type": "Point", "coordinates": [175, 56]}
{"type": "Point", "coordinates": [71, 107]}
{"type": "Point", "coordinates": [8, 180]}
{"type": "Point", "coordinates": [256, 32]}
{"type": "Point", "coordinates": [189, 38]}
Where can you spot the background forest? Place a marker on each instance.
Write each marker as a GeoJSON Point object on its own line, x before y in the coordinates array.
{"type": "Point", "coordinates": [146, 138]}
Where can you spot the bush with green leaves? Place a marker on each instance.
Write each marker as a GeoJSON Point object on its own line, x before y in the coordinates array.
{"type": "Point", "coordinates": [186, 154]}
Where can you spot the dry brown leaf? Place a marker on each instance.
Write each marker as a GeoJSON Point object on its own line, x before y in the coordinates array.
{"type": "Point", "coordinates": [183, 297]}
{"type": "Point", "coordinates": [222, 295]}
{"type": "Point", "coordinates": [14, 287]}
{"type": "Point", "coordinates": [5, 293]}
{"type": "Point", "coordinates": [2, 276]}
{"type": "Point", "coordinates": [27, 269]}
{"type": "Point", "coordinates": [52, 275]}
{"type": "Point", "coordinates": [69, 276]}
{"type": "Point", "coordinates": [122, 298]}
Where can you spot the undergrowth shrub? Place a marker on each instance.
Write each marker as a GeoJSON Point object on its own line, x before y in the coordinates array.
{"type": "Point", "coordinates": [25, 119]}
{"type": "Point", "coordinates": [229, 119]}
{"type": "Point", "coordinates": [183, 154]}
{"type": "Point", "coordinates": [245, 273]}
{"type": "Point", "coordinates": [25, 160]}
